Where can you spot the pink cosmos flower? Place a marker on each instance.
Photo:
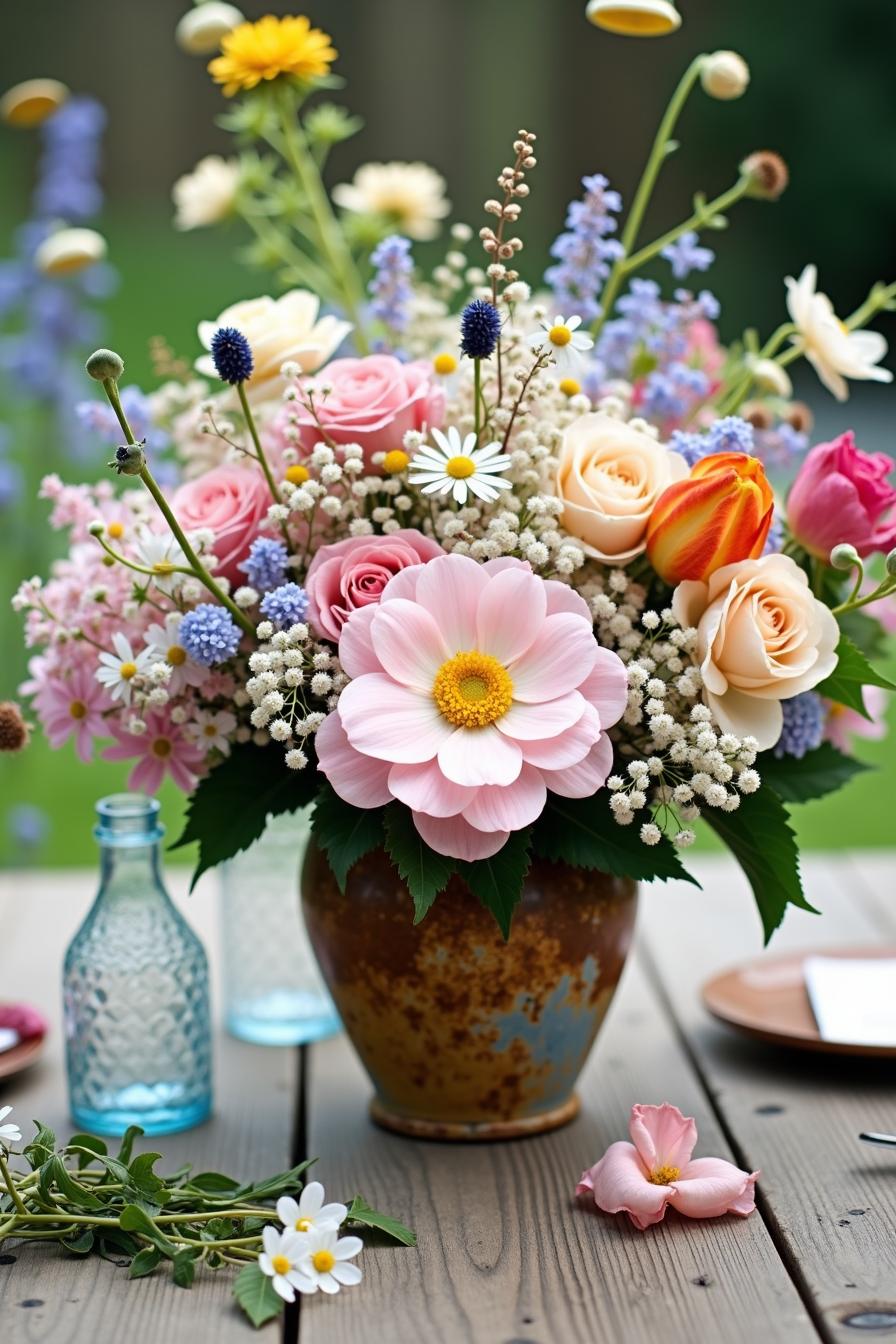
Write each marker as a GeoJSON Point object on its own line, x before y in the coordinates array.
{"type": "Point", "coordinates": [353, 573]}
{"type": "Point", "coordinates": [476, 688]}
{"type": "Point", "coordinates": [644, 1177]}
{"type": "Point", "coordinates": [844, 724]}
{"type": "Point", "coordinates": [231, 500]}
{"type": "Point", "coordinates": [842, 495]}
{"type": "Point", "coordinates": [70, 703]}
{"type": "Point", "coordinates": [163, 749]}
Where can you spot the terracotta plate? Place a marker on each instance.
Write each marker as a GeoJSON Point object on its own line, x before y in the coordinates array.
{"type": "Point", "coordinates": [767, 998]}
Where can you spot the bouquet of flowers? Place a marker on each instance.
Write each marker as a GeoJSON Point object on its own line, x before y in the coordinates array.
{"type": "Point", "coordinates": [478, 567]}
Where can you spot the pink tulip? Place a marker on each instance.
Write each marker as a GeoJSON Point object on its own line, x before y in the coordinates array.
{"type": "Point", "coordinates": [842, 495]}
{"type": "Point", "coordinates": [644, 1177]}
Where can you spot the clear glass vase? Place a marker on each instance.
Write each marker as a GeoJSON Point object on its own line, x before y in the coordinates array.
{"type": "Point", "coordinates": [135, 988]}
{"type": "Point", "coordinates": [273, 992]}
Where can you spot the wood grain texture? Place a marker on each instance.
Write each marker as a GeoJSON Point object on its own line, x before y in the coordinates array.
{"type": "Point", "coordinates": [830, 1200]}
{"type": "Point", "coordinates": [49, 1298]}
{"type": "Point", "coordinates": [505, 1256]}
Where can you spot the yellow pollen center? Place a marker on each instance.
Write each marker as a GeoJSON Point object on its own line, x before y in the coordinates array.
{"type": "Point", "coordinates": [395, 461]}
{"type": "Point", "coordinates": [297, 474]}
{"type": "Point", "coordinates": [472, 690]}
{"type": "Point", "coordinates": [281, 1264]}
{"type": "Point", "coordinates": [210, 730]}
{"type": "Point", "coordinates": [78, 709]}
{"type": "Point", "coordinates": [127, 670]}
{"type": "Point", "coordinates": [323, 1261]}
{"type": "Point", "coordinates": [569, 387]}
{"type": "Point", "coordinates": [560, 335]}
{"type": "Point", "coordinates": [444, 363]}
{"type": "Point", "coordinates": [115, 531]}
{"type": "Point", "coordinates": [161, 748]}
{"type": "Point", "coordinates": [304, 1224]}
{"type": "Point", "coordinates": [163, 567]}
{"type": "Point", "coordinates": [664, 1175]}
{"type": "Point", "coordinates": [460, 467]}
{"type": "Point", "coordinates": [176, 655]}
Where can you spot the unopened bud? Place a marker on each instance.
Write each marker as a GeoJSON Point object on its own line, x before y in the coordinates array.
{"type": "Point", "coordinates": [97, 528]}
{"type": "Point", "coordinates": [129, 459]}
{"type": "Point", "coordinates": [104, 364]}
{"type": "Point", "coordinates": [725, 75]}
{"type": "Point", "coordinates": [13, 728]}
{"type": "Point", "coordinates": [891, 563]}
{"type": "Point", "coordinates": [845, 556]}
{"type": "Point", "coordinates": [200, 30]}
{"type": "Point", "coordinates": [770, 377]}
{"type": "Point", "coordinates": [767, 173]}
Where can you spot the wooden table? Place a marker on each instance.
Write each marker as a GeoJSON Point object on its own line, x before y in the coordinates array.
{"type": "Point", "coordinates": [505, 1256]}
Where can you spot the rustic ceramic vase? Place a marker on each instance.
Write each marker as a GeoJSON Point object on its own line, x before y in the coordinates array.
{"type": "Point", "coordinates": [465, 1036]}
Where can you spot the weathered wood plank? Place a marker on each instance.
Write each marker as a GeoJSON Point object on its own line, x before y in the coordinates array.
{"type": "Point", "coordinates": [505, 1255]}
{"type": "Point", "coordinates": [830, 1199]}
{"type": "Point", "coordinates": [52, 1298]}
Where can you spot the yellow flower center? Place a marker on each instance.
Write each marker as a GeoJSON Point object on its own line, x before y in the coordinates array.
{"type": "Point", "coordinates": [116, 531]}
{"type": "Point", "coordinates": [472, 690]}
{"type": "Point", "coordinates": [304, 1224]}
{"type": "Point", "coordinates": [569, 387]}
{"type": "Point", "coordinates": [127, 670]}
{"type": "Point", "coordinates": [163, 567]}
{"type": "Point", "coordinates": [395, 461]}
{"type": "Point", "coordinates": [78, 709]}
{"type": "Point", "coordinates": [161, 748]}
{"type": "Point", "coordinates": [444, 363]}
{"type": "Point", "coordinates": [176, 656]}
{"type": "Point", "coordinates": [664, 1175]}
{"type": "Point", "coordinates": [560, 335]}
{"type": "Point", "coordinates": [297, 474]}
{"type": "Point", "coordinates": [210, 730]}
{"type": "Point", "coordinates": [460, 467]}
{"type": "Point", "coordinates": [281, 1264]}
{"type": "Point", "coordinates": [323, 1261]}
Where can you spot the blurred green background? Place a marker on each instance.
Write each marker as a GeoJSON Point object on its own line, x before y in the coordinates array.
{"type": "Point", "coordinates": [450, 84]}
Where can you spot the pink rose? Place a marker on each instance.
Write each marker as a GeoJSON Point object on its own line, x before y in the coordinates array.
{"type": "Point", "coordinates": [374, 402]}
{"type": "Point", "coordinates": [843, 495]}
{"type": "Point", "coordinates": [353, 573]}
{"type": "Point", "coordinates": [233, 502]}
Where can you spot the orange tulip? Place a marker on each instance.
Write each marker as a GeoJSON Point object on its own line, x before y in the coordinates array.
{"type": "Point", "coordinates": [721, 513]}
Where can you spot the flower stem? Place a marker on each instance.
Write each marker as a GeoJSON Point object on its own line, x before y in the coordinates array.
{"type": "Point", "coordinates": [477, 398]}
{"type": "Point", "coordinates": [259, 451]}
{"type": "Point", "coordinates": [697, 220]}
{"type": "Point", "coordinates": [11, 1185]}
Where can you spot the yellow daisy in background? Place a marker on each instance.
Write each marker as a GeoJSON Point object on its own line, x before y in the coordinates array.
{"type": "Point", "coordinates": [270, 48]}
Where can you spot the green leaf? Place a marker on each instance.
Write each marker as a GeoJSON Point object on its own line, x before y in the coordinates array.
{"type": "Point", "coordinates": [134, 1219]}
{"type": "Point", "coordinates": [144, 1262]}
{"type": "Point", "coordinates": [284, 1183]}
{"type": "Point", "coordinates": [866, 633]}
{"type": "Point", "coordinates": [143, 1186]}
{"type": "Point", "coordinates": [132, 1133]}
{"type": "Point", "coordinates": [498, 881]}
{"type": "Point", "coordinates": [114, 1243]}
{"type": "Point", "coordinates": [819, 772]}
{"type": "Point", "coordinates": [760, 838]}
{"type": "Point", "coordinates": [345, 833]}
{"type": "Point", "coordinates": [853, 671]}
{"type": "Point", "coordinates": [582, 832]}
{"type": "Point", "coordinates": [42, 1146]}
{"type": "Point", "coordinates": [213, 1183]}
{"type": "Point", "coordinates": [66, 1184]}
{"type": "Point", "coordinates": [229, 808]}
{"type": "Point", "coordinates": [425, 872]}
{"type": "Point", "coordinates": [359, 1211]}
{"type": "Point", "coordinates": [95, 1148]}
{"type": "Point", "coordinates": [80, 1245]}
{"type": "Point", "coordinates": [255, 1293]}
{"type": "Point", "coordinates": [184, 1268]}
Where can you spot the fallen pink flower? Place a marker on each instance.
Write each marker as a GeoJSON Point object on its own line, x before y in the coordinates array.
{"type": "Point", "coordinates": [644, 1177]}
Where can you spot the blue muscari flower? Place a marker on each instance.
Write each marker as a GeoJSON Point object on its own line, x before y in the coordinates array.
{"type": "Point", "coordinates": [480, 327]}
{"type": "Point", "coordinates": [774, 542]}
{"type": "Point", "coordinates": [231, 355]}
{"type": "Point", "coordinates": [730, 435]}
{"type": "Point", "coordinates": [691, 446]}
{"type": "Point", "coordinates": [670, 392]}
{"type": "Point", "coordinates": [286, 605]}
{"type": "Point", "coordinates": [265, 565]}
{"type": "Point", "coordinates": [584, 252]}
{"type": "Point", "coordinates": [390, 286]}
{"type": "Point", "coordinates": [686, 255]}
{"type": "Point", "coordinates": [803, 730]}
{"type": "Point", "coordinates": [209, 634]}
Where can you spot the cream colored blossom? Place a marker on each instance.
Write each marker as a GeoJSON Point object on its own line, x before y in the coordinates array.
{"type": "Point", "coordinates": [411, 196]}
{"type": "Point", "coordinates": [207, 194]}
{"type": "Point", "coordinates": [200, 30]}
{"type": "Point", "coordinates": [31, 102]}
{"type": "Point", "coordinates": [835, 352]}
{"type": "Point", "coordinates": [69, 250]}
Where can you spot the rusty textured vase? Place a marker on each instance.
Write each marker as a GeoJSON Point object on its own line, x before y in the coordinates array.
{"type": "Point", "coordinates": [465, 1036]}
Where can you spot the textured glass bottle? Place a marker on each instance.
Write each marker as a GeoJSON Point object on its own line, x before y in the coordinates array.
{"type": "Point", "coordinates": [135, 987]}
{"type": "Point", "coordinates": [273, 992]}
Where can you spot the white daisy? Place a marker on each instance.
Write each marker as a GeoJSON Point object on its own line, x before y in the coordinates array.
{"type": "Point", "coordinates": [160, 552]}
{"type": "Point", "coordinates": [164, 646]}
{"type": "Point", "coordinates": [8, 1133]}
{"type": "Point", "coordinates": [324, 1261]}
{"type": "Point", "coordinates": [310, 1211]}
{"type": "Point", "coordinates": [460, 467]}
{"type": "Point", "coordinates": [117, 670]}
{"type": "Point", "coordinates": [280, 1261]}
{"type": "Point", "coordinates": [212, 728]}
{"type": "Point", "coordinates": [564, 341]}
{"type": "Point", "coordinates": [835, 352]}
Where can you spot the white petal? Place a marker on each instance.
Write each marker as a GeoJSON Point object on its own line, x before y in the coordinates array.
{"type": "Point", "coordinates": [347, 1248]}
{"type": "Point", "coordinates": [287, 1211]}
{"type": "Point", "coordinates": [346, 1274]}
{"type": "Point", "coordinates": [311, 1198]}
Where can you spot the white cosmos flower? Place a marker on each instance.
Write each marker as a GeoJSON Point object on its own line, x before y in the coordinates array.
{"type": "Point", "coordinates": [564, 341]}
{"type": "Point", "coordinates": [117, 670]}
{"type": "Point", "coordinates": [835, 352]}
{"type": "Point", "coordinates": [280, 1261]}
{"type": "Point", "coordinates": [310, 1211]}
{"type": "Point", "coordinates": [160, 552]}
{"type": "Point", "coordinates": [460, 467]}
{"type": "Point", "coordinates": [8, 1133]}
{"type": "Point", "coordinates": [411, 196]}
{"type": "Point", "coordinates": [324, 1261]}
{"type": "Point", "coordinates": [163, 646]}
{"type": "Point", "coordinates": [211, 728]}
{"type": "Point", "coordinates": [207, 194]}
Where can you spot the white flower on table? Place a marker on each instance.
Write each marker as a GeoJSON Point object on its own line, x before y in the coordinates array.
{"type": "Point", "coordinates": [280, 1262]}
{"type": "Point", "coordinates": [8, 1133]}
{"type": "Point", "coordinates": [164, 646]}
{"type": "Point", "coordinates": [324, 1262]}
{"type": "Point", "coordinates": [835, 352]}
{"type": "Point", "coordinates": [563, 340]}
{"type": "Point", "coordinates": [310, 1211]}
{"type": "Point", "coordinates": [458, 466]}
{"type": "Point", "coordinates": [117, 670]}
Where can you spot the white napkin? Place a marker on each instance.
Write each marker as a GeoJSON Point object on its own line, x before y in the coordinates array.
{"type": "Point", "coordinates": [853, 998]}
{"type": "Point", "coordinates": [8, 1038]}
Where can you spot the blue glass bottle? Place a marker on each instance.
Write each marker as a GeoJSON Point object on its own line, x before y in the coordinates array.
{"type": "Point", "coordinates": [135, 988]}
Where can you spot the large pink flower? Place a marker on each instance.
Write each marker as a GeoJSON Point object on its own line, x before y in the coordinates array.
{"type": "Point", "coordinates": [644, 1177]}
{"type": "Point", "coordinates": [353, 573]}
{"type": "Point", "coordinates": [476, 688]}
{"type": "Point", "coordinates": [232, 501]}
{"type": "Point", "coordinates": [164, 749]}
{"type": "Point", "coordinates": [70, 703]}
{"type": "Point", "coordinates": [842, 495]}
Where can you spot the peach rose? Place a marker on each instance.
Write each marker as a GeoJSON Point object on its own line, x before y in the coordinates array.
{"type": "Point", "coordinates": [609, 478]}
{"type": "Point", "coordinates": [353, 573]}
{"type": "Point", "coordinates": [233, 502]}
{"type": "Point", "coordinates": [762, 637]}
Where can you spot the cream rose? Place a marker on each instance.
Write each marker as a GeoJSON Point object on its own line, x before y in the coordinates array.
{"type": "Point", "coordinates": [277, 330]}
{"type": "Point", "coordinates": [761, 638]}
{"type": "Point", "coordinates": [609, 478]}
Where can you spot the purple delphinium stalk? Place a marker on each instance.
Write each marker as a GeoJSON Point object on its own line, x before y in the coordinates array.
{"type": "Point", "coordinates": [390, 287]}
{"type": "Point", "coordinates": [686, 255]}
{"type": "Point", "coordinates": [586, 252]}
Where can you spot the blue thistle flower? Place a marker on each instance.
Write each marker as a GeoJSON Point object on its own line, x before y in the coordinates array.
{"type": "Point", "coordinates": [480, 327]}
{"type": "Point", "coordinates": [265, 565]}
{"type": "Point", "coordinates": [231, 355]}
{"type": "Point", "coordinates": [209, 634]}
{"type": "Point", "coordinates": [803, 730]}
{"type": "Point", "coordinates": [286, 605]}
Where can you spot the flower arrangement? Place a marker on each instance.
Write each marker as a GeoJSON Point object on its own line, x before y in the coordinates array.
{"type": "Point", "coordinates": [480, 570]}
